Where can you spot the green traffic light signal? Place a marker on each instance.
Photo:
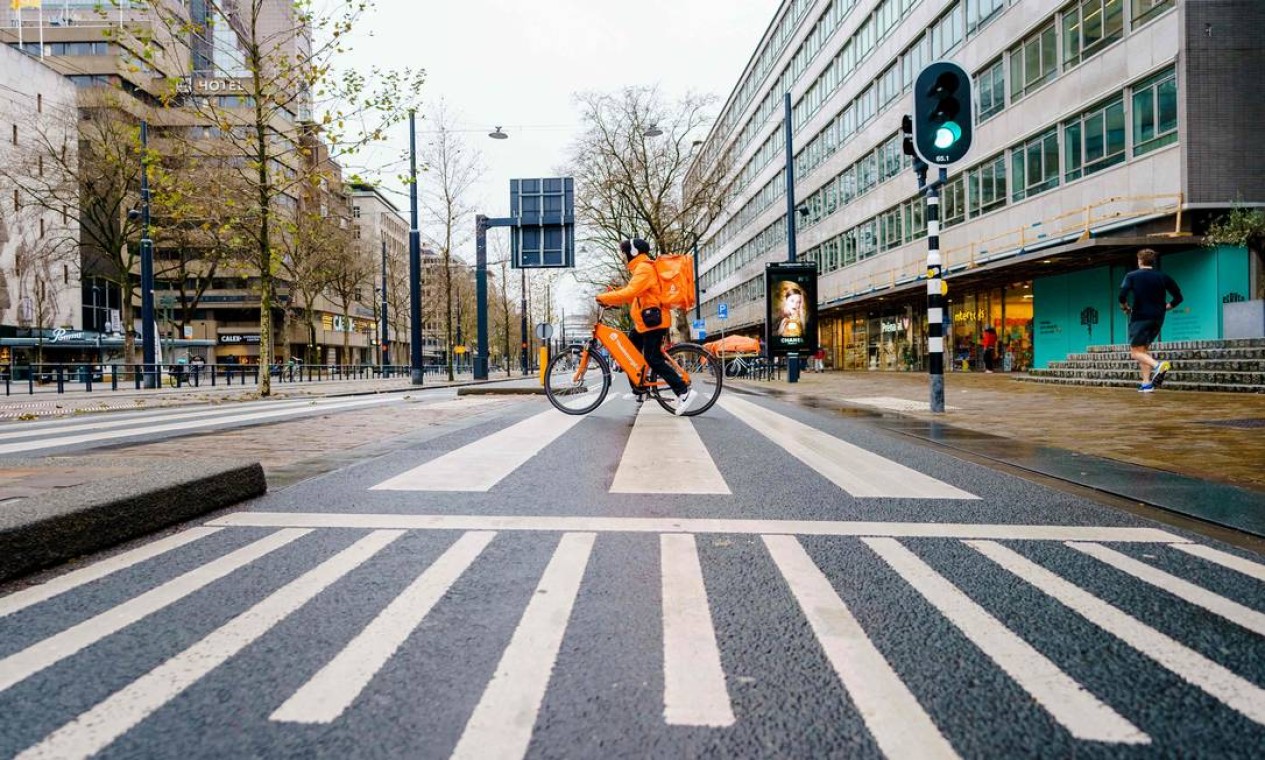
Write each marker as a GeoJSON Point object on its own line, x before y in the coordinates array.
{"type": "Point", "coordinates": [942, 122]}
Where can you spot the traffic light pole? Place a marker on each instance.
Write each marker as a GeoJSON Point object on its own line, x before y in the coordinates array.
{"type": "Point", "coordinates": [935, 295]}
{"type": "Point", "coordinates": [385, 352]}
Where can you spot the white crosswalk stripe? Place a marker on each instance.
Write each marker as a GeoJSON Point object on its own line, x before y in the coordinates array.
{"type": "Point", "coordinates": [695, 689]}
{"type": "Point", "coordinates": [856, 470]}
{"type": "Point", "coordinates": [665, 454]}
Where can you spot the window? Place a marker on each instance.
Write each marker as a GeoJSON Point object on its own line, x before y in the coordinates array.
{"type": "Point", "coordinates": [946, 32]}
{"type": "Point", "coordinates": [889, 85]}
{"type": "Point", "coordinates": [1094, 140]}
{"type": "Point", "coordinates": [1155, 112]}
{"type": "Point", "coordinates": [355, 232]}
{"type": "Point", "coordinates": [953, 201]}
{"type": "Point", "coordinates": [987, 183]}
{"type": "Point", "coordinates": [991, 86]}
{"type": "Point", "coordinates": [890, 154]}
{"type": "Point", "coordinates": [980, 12]}
{"type": "Point", "coordinates": [355, 212]}
{"type": "Point", "coordinates": [890, 233]}
{"type": "Point", "coordinates": [15, 134]}
{"type": "Point", "coordinates": [1033, 62]}
{"type": "Point", "coordinates": [915, 57]}
{"type": "Point", "coordinates": [916, 218]}
{"type": "Point", "coordinates": [1145, 10]}
{"type": "Point", "coordinates": [39, 103]}
{"type": "Point", "coordinates": [65, 274]}
{"type": "Point", "coordinates": [1034, 166]}
{"type": "Point", "coordinates": [1089, 26]}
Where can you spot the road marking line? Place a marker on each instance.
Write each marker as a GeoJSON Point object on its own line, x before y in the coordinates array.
{"type": "Point", "coordinates": [694, 691]}
{"type": "Point", "coordinates": [480, 465]}
{"type": "Point", "coordinates": [1079, 711]}
{"type": "Point", "coordinates": [687, 467]}
{"type": "Point", "coordinates": [27, 597]}
{"type": "Point", "coordinates": [860, 472]}
{"type": "Point", "coordinates": [899, 725]}
{"type": "Point", "coordinates": [1236, 613]}
{"type": "Point", "coordinates": [47, 652]}
{"type": "Point", "coordinates": [598, 524]}
{"type": "Point", "coordinates": [61, 427]}
{"type": "Point", "coordinates": [1237, 693]}
{"type": "Point", "coordinates": [501, 725]}
{"type": "Point", "coordinates": [1225, 559]}
{"type": "Point", "coordinates": [337, 685]}
{"type": "Point", "coordinates": [100, 726]}
{"type": "Point", "coordinates": [106, 435]}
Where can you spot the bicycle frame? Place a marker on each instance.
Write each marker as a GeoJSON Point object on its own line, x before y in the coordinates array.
{"type": "Point", "coordinates": [625, 354]}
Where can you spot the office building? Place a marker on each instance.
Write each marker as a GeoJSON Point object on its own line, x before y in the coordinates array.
{"type": "Point", "coordinates": [1102, 126]}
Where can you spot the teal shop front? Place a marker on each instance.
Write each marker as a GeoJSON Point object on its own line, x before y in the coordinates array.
{"type": "Point", "coordinates": [1079, 309]}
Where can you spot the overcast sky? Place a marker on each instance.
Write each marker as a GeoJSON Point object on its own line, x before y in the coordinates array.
{"type": "Point", "coordinates": [517, 64]}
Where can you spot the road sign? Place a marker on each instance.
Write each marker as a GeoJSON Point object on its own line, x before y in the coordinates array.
{"type": "Point", "coordinates": [544, 331]}
{"type": "Point", "coordinates": [458, 350]}
{"type": "Point", "coordinates": [543, 233]}
{"type": "Point", "coordinates": [699, 324]}
{"type": "Point", "coordinates": [722, 311]}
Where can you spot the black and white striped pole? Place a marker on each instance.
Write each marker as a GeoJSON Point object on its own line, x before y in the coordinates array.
{"type": "Point", "coordinates": [935, 296]}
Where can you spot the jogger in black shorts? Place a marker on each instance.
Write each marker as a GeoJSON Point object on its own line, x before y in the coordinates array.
{"type": "Point", "coordinates": [1146, 315]}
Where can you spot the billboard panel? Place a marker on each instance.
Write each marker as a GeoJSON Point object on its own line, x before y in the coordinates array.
{"type": "Point", "coordinates": [543, 233]}
{"type": "Point", "coordinates": [791, 308]}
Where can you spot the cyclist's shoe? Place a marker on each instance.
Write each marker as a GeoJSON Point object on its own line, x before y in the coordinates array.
{"type": "Point", "coordinates": [640, 398]}
{"type": "Point", "coordinates": [1161, 372]}
{"type": "Point", "coordinates": [684, 403]}
{"type": "Point", "coordinates": [1146, 388]}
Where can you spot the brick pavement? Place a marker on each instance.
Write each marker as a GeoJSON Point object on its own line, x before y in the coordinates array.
{"type": "Point", "coordinates": [1183, 432]}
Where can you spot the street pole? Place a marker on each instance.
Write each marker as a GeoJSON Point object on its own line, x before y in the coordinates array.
{"type": "Point", "coordinates": [523, 287]}
{"type": "Point", "coordinates": [698, 294]}
{"type": "Point", "coordinates": [792, 359]}
{"type": "Point", "coordinates": [147, 269]}
{"type": "Point", "coordinates": [481, 296]}
{"type": "Point", "coordinates": [414, 260]}
{"type": "Point", "coordinates": [935, 296]}
{"type": "Point", "coordinates": [384, 353]}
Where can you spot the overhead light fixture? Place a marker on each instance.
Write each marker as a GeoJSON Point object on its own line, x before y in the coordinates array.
{"type": "Point", "coordinates": [654, 131]}
{"type": "Point", "coordinates": [498, 135]}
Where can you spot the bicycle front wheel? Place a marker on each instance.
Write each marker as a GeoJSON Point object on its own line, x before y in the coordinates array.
{"type": "Point", "coordinates": [577, 380]}
{"type": "Point", "coordinates": [705, 375]}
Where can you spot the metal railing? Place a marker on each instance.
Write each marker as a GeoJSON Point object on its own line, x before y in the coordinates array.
{"type": "Point", "coordinates": [89, 377]}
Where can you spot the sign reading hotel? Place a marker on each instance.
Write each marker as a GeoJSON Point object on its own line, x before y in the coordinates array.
{"type": "Point", "coordinates": [210, 86]}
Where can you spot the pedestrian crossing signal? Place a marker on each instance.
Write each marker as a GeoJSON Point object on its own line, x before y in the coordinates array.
{"type": "Point", "coordinates": [942, 122]}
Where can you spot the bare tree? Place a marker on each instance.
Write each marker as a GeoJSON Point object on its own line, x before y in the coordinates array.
{"type": "Point", "coordinates": [452, 169]}
{"type": "Point", "coordinates": [631, 182]}
{"type": "Point", "coordinates": [287, 52]}
{"type": "Point", "coordinates": [350, 269]}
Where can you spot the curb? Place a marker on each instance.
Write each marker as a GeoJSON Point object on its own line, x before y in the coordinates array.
{"type": "Point", "coordinates": [54, 527]}
{"type": "Point", "coordinates": [516, 391]}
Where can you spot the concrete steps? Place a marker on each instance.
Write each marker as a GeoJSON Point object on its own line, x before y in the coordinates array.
{"type": "Point", "coordinates": [1227, 366]}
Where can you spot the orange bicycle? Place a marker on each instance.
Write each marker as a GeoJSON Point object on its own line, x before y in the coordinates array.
{"type": "Point", "coordinates": [579, 377]}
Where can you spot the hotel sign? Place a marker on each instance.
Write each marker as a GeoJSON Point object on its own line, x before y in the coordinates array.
{"type": "Point", "coordinates": [210, 86]}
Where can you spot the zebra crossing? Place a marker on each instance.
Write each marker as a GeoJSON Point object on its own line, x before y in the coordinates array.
{"type": "Point", "coordinates": [698, 690]}
{"type": "Point", "coordinates": [664, 454]}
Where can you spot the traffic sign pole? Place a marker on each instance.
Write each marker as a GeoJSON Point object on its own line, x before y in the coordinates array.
{"type": "Point", "coordinates": [935, 296]}
{"type": "Point", "coordinates": [481, 296]}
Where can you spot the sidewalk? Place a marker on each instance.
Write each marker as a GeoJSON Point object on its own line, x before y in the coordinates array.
{"type": "Point", "coordinates": [1209, 436]}
{"type": "Point", "coordinates": [50, 405]}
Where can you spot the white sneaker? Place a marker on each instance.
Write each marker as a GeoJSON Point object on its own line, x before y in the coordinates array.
{"type": "Point", "coordinates": [638, 397]}
{"type": "Point", "coordinates": [685, 402]}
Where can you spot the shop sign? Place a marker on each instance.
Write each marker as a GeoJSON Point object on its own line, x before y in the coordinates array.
{"type": "Point", "coordinates": [963, 315]}
{"type": "Point", "coordinates": [210, 86]}
{"type": "Point", "coordinates": [62, 335]}
{"type": "Point", "coordinates": [236, 339]}
{"type": "Point", "coordinates": [898, 325]}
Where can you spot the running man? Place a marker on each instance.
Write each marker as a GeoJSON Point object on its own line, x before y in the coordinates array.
{"type": "Point", "coordinates": [1146, 315]}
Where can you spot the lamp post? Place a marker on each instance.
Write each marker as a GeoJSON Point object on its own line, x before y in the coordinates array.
{"type": "Point", "coordinates": [416, 372]}
{"type": "Point", "coordinates": [147, 269]}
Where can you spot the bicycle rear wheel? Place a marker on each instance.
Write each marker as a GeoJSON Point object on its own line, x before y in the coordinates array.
{"type": "Point", "coordinates": [705, 375]}
{"type": "Point", "coordinates": [577, 380]}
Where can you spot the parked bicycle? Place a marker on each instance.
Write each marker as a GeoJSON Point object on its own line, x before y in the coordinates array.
{"type": "Point", "coordinates": [578, 379]}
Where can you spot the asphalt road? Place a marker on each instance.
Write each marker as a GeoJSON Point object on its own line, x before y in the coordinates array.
{"type": "Point", "coordinates": [760, 581]}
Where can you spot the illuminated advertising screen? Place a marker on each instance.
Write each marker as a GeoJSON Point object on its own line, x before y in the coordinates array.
{"type": "Point", "coordinates": [791, 308]}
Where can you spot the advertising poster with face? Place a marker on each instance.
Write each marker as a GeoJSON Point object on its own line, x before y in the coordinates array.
{"type": "Point", "coordinates": [791, 299]}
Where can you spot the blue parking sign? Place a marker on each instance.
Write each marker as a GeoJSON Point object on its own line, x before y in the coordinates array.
{"type": "Point", "coordinates": [722, 311]}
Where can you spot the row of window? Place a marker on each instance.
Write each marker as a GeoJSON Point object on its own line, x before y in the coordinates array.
{"type": "Point", "coordinates": [874, 29]}
{"type": "Point", "coordinates": [762, 243]}
{"type": "Point", "coordinates": [66, 48]}
{"type": "Point", "coordinates": [756, 205]}
{"type": "Point", "coordinates": [755, 79]}
{"type": "Point", "coordinates": [1093, 140]}
{"type": "Point", "coordinates": [1033, 62]}
{"type": "Point", "coordinates": [874, 168]}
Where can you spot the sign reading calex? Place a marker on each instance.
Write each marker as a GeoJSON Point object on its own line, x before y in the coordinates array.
{"type": "Point", "coordinates": [543, 235]}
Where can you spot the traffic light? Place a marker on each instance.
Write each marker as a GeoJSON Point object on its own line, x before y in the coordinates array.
{"type": "Point", "coordinates": [942, 113]}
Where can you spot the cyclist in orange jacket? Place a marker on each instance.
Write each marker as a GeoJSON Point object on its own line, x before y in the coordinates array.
{"type": "Point", "coordinates": [650, 320]}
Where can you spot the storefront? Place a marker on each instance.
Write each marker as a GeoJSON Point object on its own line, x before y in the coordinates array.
{"type": "Point", "coordinates": [1008, 309]}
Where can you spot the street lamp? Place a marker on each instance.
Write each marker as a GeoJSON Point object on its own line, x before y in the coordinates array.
{"type": "Point", "coordinates": [498, 135]}
{"type": "Point", "coordinates": [654, 131]}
